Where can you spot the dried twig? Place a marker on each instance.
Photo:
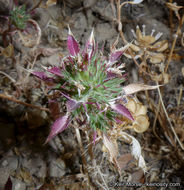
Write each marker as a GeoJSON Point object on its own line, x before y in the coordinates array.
{"type": "Point", "coordinates": [23, 103]}
{"type": "Point", "coordinates": [8, 76]}
{"type": "Point", "coordinates": [100, 173]}
{"type": "Point", "coordinates": [171, 126]}
{"type": "Point", "coordinates": [82, 154]}
{"type": "Point", "coordinates": [155, 120]}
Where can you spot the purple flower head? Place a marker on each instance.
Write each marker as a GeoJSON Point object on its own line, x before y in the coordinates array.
{"type": "Point", "coordinates": [92, 86]}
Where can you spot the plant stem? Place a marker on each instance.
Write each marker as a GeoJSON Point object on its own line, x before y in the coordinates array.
{"type": "Point", "coordinates": [82, 154]}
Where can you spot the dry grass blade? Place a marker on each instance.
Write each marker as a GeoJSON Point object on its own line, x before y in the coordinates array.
{"type": "Point", "coordinates": [171, 126]}
{"type": "Point", "coordinates": [8, 76]}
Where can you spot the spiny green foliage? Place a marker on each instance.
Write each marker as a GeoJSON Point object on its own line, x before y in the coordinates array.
{"type": "Point", "coordinates": [19, 17]}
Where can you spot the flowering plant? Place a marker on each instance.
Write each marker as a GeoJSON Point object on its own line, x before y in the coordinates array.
{"type": "Point", "coordinates": [92, 86]}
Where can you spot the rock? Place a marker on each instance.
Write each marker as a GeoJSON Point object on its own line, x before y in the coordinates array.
{"type": "Point", "coordinates": [7, 166]}
{"type": "Point", "coordinates": [4, 7]}
{"type": "Point", "coordinates": [73, 4]}
{"type": "Point", "coordinates": [89, 3]}
{"type": "Point", "coordinates": [104, 9]}
{"type": "Point", "coordinates": [80, 23]}
{"type": "Point", "coordinates": [17, 184]}
{"type": "Point", "coordinates": [36, 166]}
{"type": "Point", "coordinates": [105, 32]}
{"type": "Point", "coordinates": [56, 145]}
{"type": "Point", "coordinates": [52, 60]}
{"type": "Point", "coordinates": [57, 168]}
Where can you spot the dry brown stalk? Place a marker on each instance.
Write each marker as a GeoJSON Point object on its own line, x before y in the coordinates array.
{"type": "Point", "coordinates": [171, 126]}
{"type": "Point", "coordinates": [3, 96]}
{"type": "Point", "coordinates": [82, 155]}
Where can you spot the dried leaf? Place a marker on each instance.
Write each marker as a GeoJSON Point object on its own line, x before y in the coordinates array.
{"type": "Point", "coordinates": [127, 55]}
{"type": "Point", "coordinates": [156, 57]}
{"type": "Point", "coordinates": [166, 77]}
{"type": "Point", "coordinates": [51, 3]}
{"type": "Point", "coordinates": [173, 6]}
{"type": "Point", "coordinates": [142, 164]}
{"type": "Point", "coordinates": [160, 46]}
{"type": "Point", "coordinates": [131, 105]}
{"type": "Point", "coordinates": [136, 87]}
{"type": "Point", "coordinates": [136, 149]}
{"type": "Point", "coordinates": [134, 48]}
{"type": "Point", "coordinates": [147, 40]}
{"type": "Point", "coordinates": [72, 44]}
{"type": "Point", "coordinates": [141, 110]}
{"type": "Point", "coordinates": [141, 123]}
{"type": "Point", "coordinates": [138, 33]}
{"type": "Point", "coordinates": [8, 51]}
{"type": "Point", "coordinates": [112, 148]}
